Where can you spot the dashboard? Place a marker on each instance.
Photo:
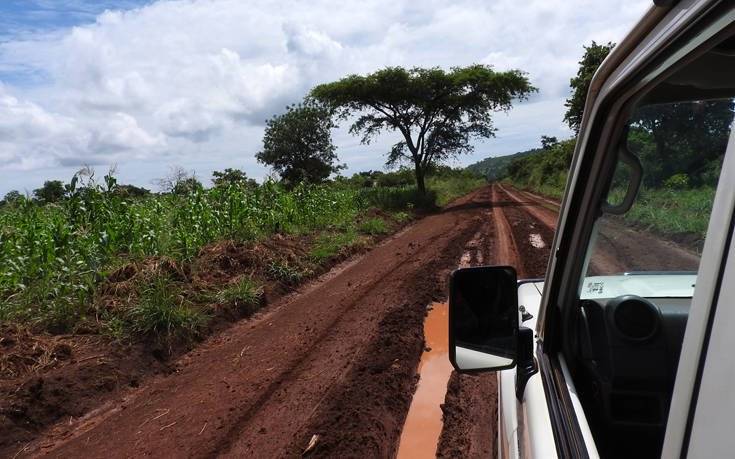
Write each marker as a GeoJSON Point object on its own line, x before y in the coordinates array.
{"type": "Point", "coordinates": [627, 352]}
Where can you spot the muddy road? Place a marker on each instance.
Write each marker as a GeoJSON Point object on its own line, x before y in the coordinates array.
{"type": "Point", "coordinates": [332, 368]}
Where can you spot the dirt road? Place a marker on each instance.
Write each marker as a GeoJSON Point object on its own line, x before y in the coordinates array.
{"type": "Point", "coordinates": [332, 365]}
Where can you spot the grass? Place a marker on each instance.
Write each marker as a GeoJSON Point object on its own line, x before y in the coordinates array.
{"type": "Point", "coordinates": [284, 272]}
{"type": "Point", "coordinates": [374, 226]}
{"type": "Point", "coordinates": [665, 211]}
{"type": "Point", "coordinates": [162, 312]}
{"type": "Point", "coordinates": [672, 212]}
{"type": "Point", "coordinates": [448, 189]}
{"type": "Point", "coordinates": [331, 244]}
{"type": "Point", "coordinates": [244, 294]}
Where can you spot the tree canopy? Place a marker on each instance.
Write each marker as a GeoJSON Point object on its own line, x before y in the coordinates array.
{"type": "Point", "coordinates": [235, 177]}
{"type": "Point", "coordinates": [51, 191]}
{"type": "Point", "coordinates": [298, 144]}
{"type": "Point", "coordinates": [437, 112]}
{"type": "Point", "coordinates": [593, 56]}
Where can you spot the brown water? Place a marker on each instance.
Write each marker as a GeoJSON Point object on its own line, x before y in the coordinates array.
{"type": "Point", "coordinates": [424, 421]}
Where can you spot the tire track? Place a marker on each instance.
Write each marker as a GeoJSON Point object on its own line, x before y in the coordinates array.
{"type": "Point", "coordinates": [349, 344]}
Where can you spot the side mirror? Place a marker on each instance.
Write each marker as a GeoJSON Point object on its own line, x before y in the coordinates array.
{"type": "Point", "coordinates": [483, 318]}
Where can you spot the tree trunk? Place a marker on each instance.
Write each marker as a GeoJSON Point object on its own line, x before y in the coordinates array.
{"type": "Point", "coordinates": [420, 179]}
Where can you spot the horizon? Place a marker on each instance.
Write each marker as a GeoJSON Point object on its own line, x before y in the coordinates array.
{"type": "Point", "coordinates": [85, 82]}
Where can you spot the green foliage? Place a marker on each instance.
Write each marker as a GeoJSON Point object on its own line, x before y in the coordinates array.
{"type": "Point", "coordinates": [243, 294]}
{"type": "Point", "coordinates": [593, 56]}
{"type": "Point", "coordinates": [51, 191]}
{"type": "Point", "coordinates": [232, 177]}
{"type": "Point", "coordinates": [496, 167]}
{"type": "Point", "coordinates": [132, 191]}
{"type": "Point", "coordinates": [677, 182]}
{"type": "Point", "coordinates": [438, 112]}
{"type": "Point", "coordinates": [330, 244]}
{"type": "Point", "coordinates": [544, 170]}
{"type": "Point", "coordinates": [283, 271]}
{"type": "Point", "coordinates": [399, 198]}
{"type": "Point", "coordinates": [374, 226]}
{"type": "Point", "coordinates": [298, 144]}
{"type": "Point", "coordinates": [673, 211]}
{"type": "Point", "coordinates": [11, 197]}
{"type": "Point", "coordinates": [161, 311]}
{"type": "Point", "coordinates": [688, 138]}
{"type": "Point", "coordinates": [53, 257]}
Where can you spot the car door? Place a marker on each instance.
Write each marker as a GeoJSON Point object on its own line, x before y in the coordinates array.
{"type": "Point", "coordinates": [700, 418]}
{"type": "Point", "coordinates": [664, 39]}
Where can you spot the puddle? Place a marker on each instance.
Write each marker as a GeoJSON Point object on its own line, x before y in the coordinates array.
{"type": "Point", "coordinates": [536, 241]}
{"type": "Point", "coordinates": [424, 421]}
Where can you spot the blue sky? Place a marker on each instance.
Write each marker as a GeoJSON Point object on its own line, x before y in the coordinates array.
{"type": "Point", "coordinates": [147, 85]}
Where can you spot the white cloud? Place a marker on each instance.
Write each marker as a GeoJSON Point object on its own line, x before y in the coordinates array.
{"type": "Point", "coordinates": [187, 80]}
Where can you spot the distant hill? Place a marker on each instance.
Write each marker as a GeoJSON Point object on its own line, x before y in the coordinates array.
{"type": "Point", "coordinates": [494, 168]}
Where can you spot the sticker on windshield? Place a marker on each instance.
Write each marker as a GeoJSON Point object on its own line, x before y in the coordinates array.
{"type": "Point", "coordinates": [595, 287]}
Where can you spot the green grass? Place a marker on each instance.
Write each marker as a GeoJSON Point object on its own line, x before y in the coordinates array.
{"type": "Point", "coordinates": [374, 226]}
{"type": "Point", "coordinates": [399, 198]}
{"type": "Point", "coordinates": [450, 188]}
{"type": "Point", "coordinates": [286, 273]}
{"type": "Point", "coordinates": [330, 244]}
{"type": "Point", "coordinates": [669, 211]}
{"type": "Point", "coordinates": [244, 294]}
{"type": "Point", "coordinates": [160, 311]}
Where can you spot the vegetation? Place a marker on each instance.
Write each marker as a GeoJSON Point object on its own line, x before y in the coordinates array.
{"type": "Point", "coordinates": [543, 170]}
{"type": "Point", "coordinates": [232, 177]}
{"type": "Point", "coordinates": [438, 113]}
{"type": "Point", "coordinates": [54, 256]}
{"type": "Point", "coordinates": [298, 144]}
{"type": "Point", "coordinates": [57, 258]}
{"type": "Point", "coordinates": [496, 167]}
{"type": "Point", "coordinates": [593, 56]}
{"type": "Point", "coordinates": [51, 191]}
{"type": "Point", "coordinates": [244, 294]}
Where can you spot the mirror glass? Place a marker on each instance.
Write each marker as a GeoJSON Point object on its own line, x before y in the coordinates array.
{"type": "Point", "coordinates": [483, 318]}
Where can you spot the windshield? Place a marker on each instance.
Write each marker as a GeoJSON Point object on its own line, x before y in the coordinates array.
{"type": "Point", "coordinates": [653, 249]}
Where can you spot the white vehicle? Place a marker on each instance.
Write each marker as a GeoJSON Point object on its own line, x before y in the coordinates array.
{"type": "Point", "coordinates": [625, 348]}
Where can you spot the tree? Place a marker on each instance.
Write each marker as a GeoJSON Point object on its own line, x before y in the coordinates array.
{"type": "Point", "coordinates": [681, 137]}
{"type": "Point", "coordinates": [11, 197]}
{"type": "Point", "coordinates": [51, 191]}
{"type": "Point", "coordinates": [593, 56]}
{"type": "Point", "coordinates": [548, 142]}
{"type": "Point", "coordinates": [298, 144]}
{"type": "Point", "coordinates": [437, 112]}
{"type": "Point", "coordinates": [234, 177]}
{"type": "Point", "coordinates": [178, 181]}
{"type": "Point", "coordinates": [131, 191]}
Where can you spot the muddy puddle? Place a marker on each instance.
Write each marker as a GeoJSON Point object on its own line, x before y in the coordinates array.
{"type": "Point", "coordinates": [424, 421]}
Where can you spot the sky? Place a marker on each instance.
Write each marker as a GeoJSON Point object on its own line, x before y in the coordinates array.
{"type": "Point", "coordinates": [148, 85]}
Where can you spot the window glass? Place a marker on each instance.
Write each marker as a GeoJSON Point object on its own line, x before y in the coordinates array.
{"type": "Point", "coordinates": [653, 249]}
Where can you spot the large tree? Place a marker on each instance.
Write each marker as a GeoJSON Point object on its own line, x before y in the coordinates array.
{"type": "Point", "coordinates": [593, 56]}
{"type": "Point", "coordinates": [437, 112]}
{"type": "Point", "coordinates": [298, 144]}
{"type": "Point", "coordinates": [51, 191]}
{"type": "Point", "coordinates": [232, 177]}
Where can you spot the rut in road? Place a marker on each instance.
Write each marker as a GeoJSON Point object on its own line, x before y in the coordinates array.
{"type": "Point", "coordinates": [337, 360]}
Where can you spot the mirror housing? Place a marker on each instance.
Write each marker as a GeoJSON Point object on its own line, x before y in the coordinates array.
{"type": "Point", "coordinates": [483, 318]}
